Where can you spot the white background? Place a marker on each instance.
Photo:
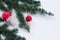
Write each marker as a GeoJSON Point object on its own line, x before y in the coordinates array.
{"type": "Point", "coordinates": [43, 27]}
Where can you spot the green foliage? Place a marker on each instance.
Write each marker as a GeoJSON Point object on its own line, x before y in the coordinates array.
{"type": "Point", "coordinates": [22, 21]}
{"type": "Point", "coordinates": [0, 19]}
{"type": "Point", "coordinates": [9, 34]}
{"type": "Point", "coordinates": [31, 6]}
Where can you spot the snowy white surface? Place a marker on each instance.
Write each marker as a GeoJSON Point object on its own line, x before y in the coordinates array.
{"type": "Point", "coordinates": [42, 27]}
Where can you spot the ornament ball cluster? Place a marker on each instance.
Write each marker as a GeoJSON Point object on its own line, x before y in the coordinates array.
{"type": "Point", "coordinates": [7, 14]}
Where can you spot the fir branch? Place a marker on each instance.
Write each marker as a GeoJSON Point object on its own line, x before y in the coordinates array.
{"type": "Point", "coordinates": [2, 7]}
{"type": "Point", "coordinates": [9, 34]}
{"type": "Point", "coordinates": [1, 19]}
{"type": "Point", "coordinates": [42, 11]}
{"type": "Point", "coordinates": [4, 26]}
{"type": "Point", "coordinates": [31, 2]}
{"type": "Point", "coordinates": [20, 17]}
{"type": "Point", "coordinates": [9, 5]}
{"type": "Point", "coordinates": [22, 21]}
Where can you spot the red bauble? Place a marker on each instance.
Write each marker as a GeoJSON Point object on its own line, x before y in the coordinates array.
{"type": "Point", "coordinates": [6, 15]}
{"type": "Point", "coordinates": [28, 18]}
